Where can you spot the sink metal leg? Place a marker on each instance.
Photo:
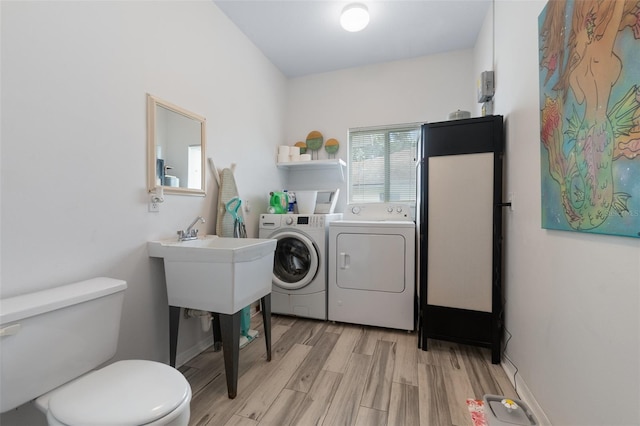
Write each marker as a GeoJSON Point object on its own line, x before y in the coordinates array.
{"type": "Point", "coordinates": [226, 331]}
{"type": "Point", "coordinates": [217, 334]}
{"type": "Point", "coordinates": [265, 307]}
{"type": "Point", "coordinates": [174, 322]}
{"type": "Point", "coordinates": [230, 328]}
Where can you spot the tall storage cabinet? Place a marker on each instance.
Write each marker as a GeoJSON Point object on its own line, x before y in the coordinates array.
{"type": "Point", "coordinates": [461, 232]}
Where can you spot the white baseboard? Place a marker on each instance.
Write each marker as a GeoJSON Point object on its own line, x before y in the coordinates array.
{"type": "Point", "coordinates": [195, 350]}
{"type": "Point", "coordinates": [524, 392]}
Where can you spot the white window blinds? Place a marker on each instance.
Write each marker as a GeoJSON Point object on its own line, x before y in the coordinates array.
{"type": "Point", "coordinates": [382, 163]}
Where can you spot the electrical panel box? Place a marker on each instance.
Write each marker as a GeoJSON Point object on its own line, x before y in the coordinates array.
{"type": "Point", "coordinates": [486, 88]}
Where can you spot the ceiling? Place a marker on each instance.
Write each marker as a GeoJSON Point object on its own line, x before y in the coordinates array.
{"type": "Point", "coordinates": [303, 37]}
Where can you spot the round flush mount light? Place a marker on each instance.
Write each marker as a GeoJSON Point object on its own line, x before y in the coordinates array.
{"type": "Point", "coordinates": [355, 17]}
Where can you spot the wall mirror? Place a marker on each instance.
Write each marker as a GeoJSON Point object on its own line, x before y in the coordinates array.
{"type": "Point", "coordinates": [175, 148]}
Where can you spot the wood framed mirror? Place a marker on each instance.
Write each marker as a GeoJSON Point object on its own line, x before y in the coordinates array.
{"type": "Point", "coordinates": [175, 148]}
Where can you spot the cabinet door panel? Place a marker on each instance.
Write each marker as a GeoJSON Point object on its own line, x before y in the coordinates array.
{"type": "Point", "coordinates": [460, 231]}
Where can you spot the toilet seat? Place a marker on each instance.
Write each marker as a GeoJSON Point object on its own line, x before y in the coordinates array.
{"type": "Point", "coordinates": [131, 392]}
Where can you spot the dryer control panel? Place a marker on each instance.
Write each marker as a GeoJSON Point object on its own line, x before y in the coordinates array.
{"type": "Point", "coordinates": [378, 211]}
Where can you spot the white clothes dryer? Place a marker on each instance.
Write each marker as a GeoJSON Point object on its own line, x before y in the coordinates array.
{"type": "Point", "coordinates": [372, 266]}
{"type": "Point", "coordinates": [300, 262]}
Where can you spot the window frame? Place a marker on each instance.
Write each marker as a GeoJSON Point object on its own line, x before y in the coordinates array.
{"type": "Point", "coordinates": [387, 130]}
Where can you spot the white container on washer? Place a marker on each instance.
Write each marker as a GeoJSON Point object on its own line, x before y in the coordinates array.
{"type": "Point", "coordinates": [306, 201]}
{"type": "Point", "coordinates": [51, 338]}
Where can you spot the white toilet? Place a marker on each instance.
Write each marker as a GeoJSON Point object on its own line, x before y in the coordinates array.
{"type": "Point", "coordinates": [51, 340]}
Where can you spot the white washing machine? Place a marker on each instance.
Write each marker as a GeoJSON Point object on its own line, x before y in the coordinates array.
{"type": "Point", "coordinates": [300, 262]}
{"type": "Point", "coordinates": [372, 266]}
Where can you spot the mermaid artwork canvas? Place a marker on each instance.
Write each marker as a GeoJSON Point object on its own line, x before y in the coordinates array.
{"type": "Point", "coordinates": [589, 56]}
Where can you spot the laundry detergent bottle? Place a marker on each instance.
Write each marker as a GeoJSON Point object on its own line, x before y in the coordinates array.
{"type": "Point", "coordinates": [278, 203]}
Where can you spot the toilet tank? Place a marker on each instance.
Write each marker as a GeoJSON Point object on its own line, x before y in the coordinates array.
{"type": "Point", "coordinates": [50, 337]}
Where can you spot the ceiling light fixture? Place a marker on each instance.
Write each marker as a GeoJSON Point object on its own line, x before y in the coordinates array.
{"type": "Point", "coordinates": [355, 17]}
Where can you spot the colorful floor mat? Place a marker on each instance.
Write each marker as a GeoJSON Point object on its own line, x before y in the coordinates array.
{"type": "Point", "coordinates": [476, 409]}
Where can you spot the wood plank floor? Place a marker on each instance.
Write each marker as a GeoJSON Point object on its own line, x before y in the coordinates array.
{"type": "Point", "coordinates": [329, 374]}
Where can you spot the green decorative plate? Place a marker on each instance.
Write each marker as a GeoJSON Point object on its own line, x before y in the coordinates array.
{"type": "Point", "coordinates": [302, 146]}
{"type": "Point", "coordinates": [314, 141]}
{"type": "Point", "coordinates": [332, 146]}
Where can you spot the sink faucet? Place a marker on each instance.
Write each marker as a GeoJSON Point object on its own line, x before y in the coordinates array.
{"type": "Point", "coordinates": [190, 233]}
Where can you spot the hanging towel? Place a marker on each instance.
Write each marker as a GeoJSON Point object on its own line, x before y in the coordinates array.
{"type": "Point", "coordinates": [228, 190]}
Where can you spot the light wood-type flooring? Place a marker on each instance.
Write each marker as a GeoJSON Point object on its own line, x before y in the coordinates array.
{"type": "Point", "coordinates": [325, 373]}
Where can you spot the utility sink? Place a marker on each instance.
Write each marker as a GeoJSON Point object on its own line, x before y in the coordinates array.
{"type": "Point", "coordinates": [216, 274]}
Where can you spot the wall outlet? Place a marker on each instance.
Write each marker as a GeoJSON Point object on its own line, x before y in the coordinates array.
{"type": "Point", "coordinates": [154, 207]}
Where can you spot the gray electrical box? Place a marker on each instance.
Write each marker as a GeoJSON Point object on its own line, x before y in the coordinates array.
{"type": "Point", "coordinates": [486, 88]}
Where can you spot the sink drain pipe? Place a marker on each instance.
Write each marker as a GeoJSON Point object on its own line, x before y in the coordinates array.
{"type": "Point", "coordinates": [205, 317]}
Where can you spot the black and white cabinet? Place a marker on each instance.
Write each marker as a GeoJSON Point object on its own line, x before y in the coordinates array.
{"type": "Point", "coordinates": [461, 232]}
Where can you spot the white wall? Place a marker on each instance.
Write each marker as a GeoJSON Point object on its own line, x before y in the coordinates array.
{"type": "Point", "coordinates": [74, 202]}
{"type": "Point", "coordinates": [572, 299]}
{"type": "Point", "coordinates": [74, 170]}
{"type": "Point", "coordinates": [483, 55]}
{"type": "Point", "coordinates": [416, 90]}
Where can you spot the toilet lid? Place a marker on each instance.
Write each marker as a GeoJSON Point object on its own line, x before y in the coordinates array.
{"type": "Point", "coordinates": [123, 393]}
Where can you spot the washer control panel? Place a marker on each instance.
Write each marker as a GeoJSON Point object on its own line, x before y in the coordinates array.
{"type": "Point", "coordinates": [275, 221]}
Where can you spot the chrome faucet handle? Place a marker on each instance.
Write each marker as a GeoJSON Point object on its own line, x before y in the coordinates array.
{"type": "Point", "coordinates": [190, 233]}
{"type": "Point", "coordinates": [186, 236]}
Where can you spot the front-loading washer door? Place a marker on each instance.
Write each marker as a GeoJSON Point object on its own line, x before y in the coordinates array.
{"type": "Point", "coordinates": [295, 263]}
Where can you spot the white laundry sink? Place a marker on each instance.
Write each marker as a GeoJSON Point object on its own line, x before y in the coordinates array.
{"type": "Point", "coordinates": [216, 274]}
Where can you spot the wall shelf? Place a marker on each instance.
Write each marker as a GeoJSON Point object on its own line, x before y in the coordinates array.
{"type": "Point", "coordinates": [334, 163]}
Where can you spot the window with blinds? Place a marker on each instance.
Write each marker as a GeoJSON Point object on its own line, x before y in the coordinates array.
{"type": "Point", "coordinates": [382, 164]}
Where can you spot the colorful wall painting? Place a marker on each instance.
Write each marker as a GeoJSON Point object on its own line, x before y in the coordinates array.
{"type": "Point", "coordinates": [589, 56]}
